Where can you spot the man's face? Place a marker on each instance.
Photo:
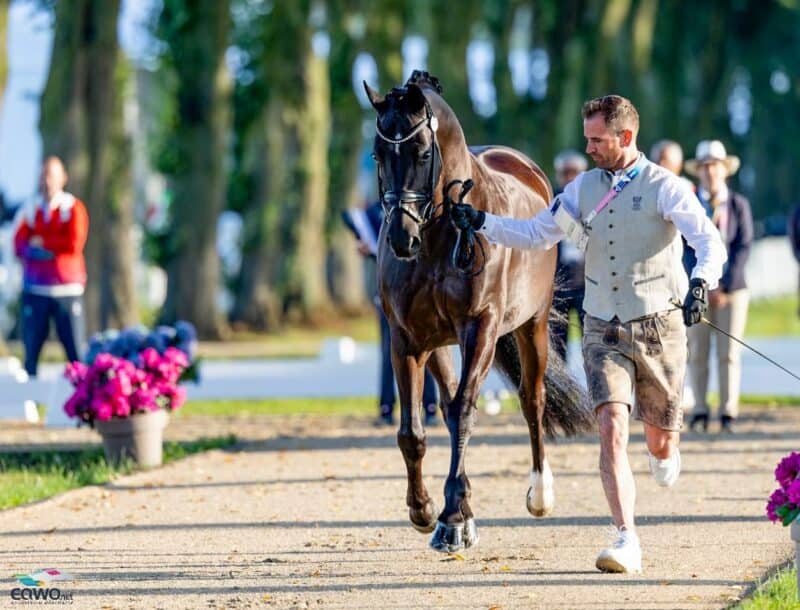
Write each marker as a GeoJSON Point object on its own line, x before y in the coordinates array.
{"type": "Point", "coordinates": [712, 176]}
{"type": "Point", "coordinates": [53, 178]}
{"type": "Point", "coordinates": [604, 146]}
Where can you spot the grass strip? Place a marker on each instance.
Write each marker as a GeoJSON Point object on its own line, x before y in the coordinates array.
{"type": "Point", "coordinates": [35, 475]}
{"type": "Point", "coordinates": [777, 593]}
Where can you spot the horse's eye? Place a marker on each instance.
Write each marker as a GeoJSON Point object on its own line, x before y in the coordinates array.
{"type": "Point", "coordinates": [425, 156]}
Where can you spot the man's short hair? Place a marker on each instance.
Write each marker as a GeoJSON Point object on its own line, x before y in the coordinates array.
{"type": "Point", "coordinates": [570, 158]}
{"type": "Point", "coordinates": [662, 145]}
{"type": "Point", "coordinates": [619, 113]}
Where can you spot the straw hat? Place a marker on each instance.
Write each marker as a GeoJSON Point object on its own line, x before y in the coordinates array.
{"type": "Point", "coordinates": [709, 151]}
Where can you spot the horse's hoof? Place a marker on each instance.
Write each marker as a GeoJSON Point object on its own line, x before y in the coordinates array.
{"type": "Point", "coordinates": [447, 538]}
{"type": "Point", "coordinates": [470, 533]}
{"type": "Point", "coordinates": [541, 498]}
{"type": "Point", "coordinates": [427, 525]}
{"type": "Point", "coordinates": [537, 509]}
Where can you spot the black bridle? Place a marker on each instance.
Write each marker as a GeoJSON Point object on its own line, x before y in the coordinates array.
{"type": "Point", "coordinates": [408, 201]}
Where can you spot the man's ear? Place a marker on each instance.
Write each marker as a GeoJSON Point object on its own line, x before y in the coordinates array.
{"type": "Point", "coordinates": [626, 137]}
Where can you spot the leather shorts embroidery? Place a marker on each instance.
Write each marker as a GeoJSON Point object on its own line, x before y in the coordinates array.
{"type": "Point", "coordinates": [652, 340]}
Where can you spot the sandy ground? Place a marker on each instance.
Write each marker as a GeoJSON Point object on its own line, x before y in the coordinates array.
{"type": "Point", "coordinates": [311, 513]}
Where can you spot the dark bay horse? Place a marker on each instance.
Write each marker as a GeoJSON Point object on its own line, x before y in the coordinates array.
{"type": "Point", "coordinates": [496, 311]}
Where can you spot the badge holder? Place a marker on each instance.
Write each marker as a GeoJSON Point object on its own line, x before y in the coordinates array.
{"type": "Point", "coordinates": [573, 229]}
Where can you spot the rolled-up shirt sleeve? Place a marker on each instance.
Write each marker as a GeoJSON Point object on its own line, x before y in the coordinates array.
{"type": "Point", "coordinates": [679, 205]}
{"type": "Point", "coordinates": [540, 231]}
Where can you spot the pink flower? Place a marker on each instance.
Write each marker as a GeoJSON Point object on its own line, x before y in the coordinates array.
{"type": "Point", "coordinates": [150, 358]}
{"type": "Point", "coordinates": [76, 372]}
{"type": "Point", "coordinates": [793, 492]}
{"type": "Point", "coordinates": [103, 362]}
{"type": "Point", "coordinates": [776, 500]}
{"type": "Point", "coordinates": [788, 469]}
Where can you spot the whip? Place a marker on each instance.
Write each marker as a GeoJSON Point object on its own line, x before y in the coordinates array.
{"type": "Point", "coordinates": [705, 320]}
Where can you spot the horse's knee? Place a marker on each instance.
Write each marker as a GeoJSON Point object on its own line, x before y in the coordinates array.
{"type": "Point", "coordinates": [413, 445]}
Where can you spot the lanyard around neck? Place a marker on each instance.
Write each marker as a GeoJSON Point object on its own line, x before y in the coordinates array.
{"type": "Point", "coordinates": [613, 192]}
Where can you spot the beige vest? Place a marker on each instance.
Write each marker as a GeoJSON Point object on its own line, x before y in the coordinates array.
{"type": "Point", "coordinates": [633, 258]}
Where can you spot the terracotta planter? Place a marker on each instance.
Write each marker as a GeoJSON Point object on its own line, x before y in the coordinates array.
{"type": "Point", "coordinates": [795, 529]}
{"type": "Point", "coordinates": [139, 438]}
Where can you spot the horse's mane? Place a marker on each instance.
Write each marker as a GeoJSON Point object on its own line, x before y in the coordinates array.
{"type": "Point", "coordinates": [421, 79]}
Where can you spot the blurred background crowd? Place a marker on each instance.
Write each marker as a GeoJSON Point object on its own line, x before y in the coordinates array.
{"type": "Point", "coordinates": [215, 143]}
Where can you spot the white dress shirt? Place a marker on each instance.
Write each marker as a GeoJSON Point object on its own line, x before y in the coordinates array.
{"type": "Point", "coordinates": [676, 202]}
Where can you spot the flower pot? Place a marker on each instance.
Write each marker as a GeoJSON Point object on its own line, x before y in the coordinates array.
{"type": "Point", "coordinates": [795, 530]}
{"type": "Point", "coordinates": [138, 437]}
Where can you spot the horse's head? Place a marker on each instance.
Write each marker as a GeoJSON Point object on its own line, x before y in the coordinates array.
{"type": "Point", "coordinates": [409, 163]}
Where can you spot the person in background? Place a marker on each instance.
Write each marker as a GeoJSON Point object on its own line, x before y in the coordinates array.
{"type": "Point", "coordinates": [569, 268]}
{"type": "Point", "coordinates": [730, 213]}
{"type": "Point", "coordinates": [49, 240]}
{"type": "Point", "coordinates": [388, 392]}
{"type": "Point", "coordinates": [669, 155]}
{"type": "Point", "coordinates": [793, 229]}
{"type": "Point", "coordinates": [634, 340]}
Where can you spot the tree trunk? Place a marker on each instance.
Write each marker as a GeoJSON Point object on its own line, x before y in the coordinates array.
{"type": "Point", "coordinates": [197, 47]}
{"type": "Point", "coordinates": [257, 304]}
{"type": "Point", "coordinates": [81, 104]}
{"type": "Point", "coordinates": [304, 277]}
{"type": "Point", "coordinates": [118, 298]}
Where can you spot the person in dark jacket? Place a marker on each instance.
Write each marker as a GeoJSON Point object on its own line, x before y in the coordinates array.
{"type": "Point", "coordinates": [730, 213]}
{"type": "Point", "coordinates": [570, 284]}
{"type": "Point", "coordinates": [794, 237]}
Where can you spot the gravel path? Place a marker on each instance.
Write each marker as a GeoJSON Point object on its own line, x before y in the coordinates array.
{"type": "Point", "coordinates": [310, 512]}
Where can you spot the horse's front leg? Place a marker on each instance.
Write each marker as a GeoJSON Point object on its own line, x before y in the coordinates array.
{"type": "Point", "coordinates": [440, 364]}
{"type": "Point", "coordinates": [456, 525]}
{"type": "Point", "coordinates": [410, 376]}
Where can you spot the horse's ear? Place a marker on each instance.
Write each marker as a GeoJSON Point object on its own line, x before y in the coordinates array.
{"type": "Point", "coordinates": [377, 100]}
{"type": "Point", "coordinates": [415, 98]}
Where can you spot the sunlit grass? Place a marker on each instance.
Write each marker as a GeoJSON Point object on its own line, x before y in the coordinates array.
{"type": "Point", "coordinates": [773, 318]}
{"type": "Point", "coordinates": [35, 475]}
{"type": "Point", "coordinates": [777, 593]}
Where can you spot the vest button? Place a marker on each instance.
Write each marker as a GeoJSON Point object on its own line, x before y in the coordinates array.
{"type": "Point", "coordinates": [615, 289]}
{"type": "Point", "coordinates": [613, 273]}
{"type": "Point", "coordinates": [610, 226]}
{"type": "Point", "coordinates": [611, 243]}
{"type": "Point", "coordinates": [611, 211]}
{"type": "Point", "coordinates": [613, 258]}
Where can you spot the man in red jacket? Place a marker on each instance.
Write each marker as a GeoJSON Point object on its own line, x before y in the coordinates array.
{"type": "Point", "coordinates": [49, 240]}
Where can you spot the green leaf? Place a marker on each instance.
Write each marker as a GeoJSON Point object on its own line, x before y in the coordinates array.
{"type": "Point", "coordinates": [791, 515]}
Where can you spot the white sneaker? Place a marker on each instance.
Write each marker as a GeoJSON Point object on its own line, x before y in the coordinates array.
{"type": "Point", "coordinates": [623, 556]}
{"type": "Point", "coordinates": [666, 472]}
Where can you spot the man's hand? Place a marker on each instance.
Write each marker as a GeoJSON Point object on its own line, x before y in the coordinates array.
{"type": "Point", "coordinates": [37, 253]}
{"type": "Point", "coordinates": [696, 302]}
{"type": "Point", "coordinates": [466, 217]}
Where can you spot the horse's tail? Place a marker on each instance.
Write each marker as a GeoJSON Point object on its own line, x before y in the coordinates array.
{"type": "Point", "coordinates": [568, 408]}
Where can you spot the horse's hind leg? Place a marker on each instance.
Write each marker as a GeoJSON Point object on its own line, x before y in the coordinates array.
{"type": "Point", "coordinates": [532, 341]}
{"type": "Point", "coordinates": [456, 526]}
{"type": "Point", "coordinates": [409, 372]}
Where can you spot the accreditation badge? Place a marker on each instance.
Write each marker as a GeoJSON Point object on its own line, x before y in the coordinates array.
{"type": "Point", "coordinates": [573, 229]}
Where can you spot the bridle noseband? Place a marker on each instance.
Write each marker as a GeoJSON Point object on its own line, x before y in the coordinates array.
{"type": "Point", "coordinates": [404, 200]}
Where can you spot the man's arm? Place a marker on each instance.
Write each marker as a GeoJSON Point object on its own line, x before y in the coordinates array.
{"type": "Point", "coordinates": [679, 205]}
{"type": "Point", "coordinates": [540, 231]}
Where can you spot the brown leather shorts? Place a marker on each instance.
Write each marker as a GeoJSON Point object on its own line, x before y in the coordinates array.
{"type": "Point", "coordinates": [644, 358]}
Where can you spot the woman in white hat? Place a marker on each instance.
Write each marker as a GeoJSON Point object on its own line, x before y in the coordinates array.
{"type": "Point", "coordinates": [730, 213]}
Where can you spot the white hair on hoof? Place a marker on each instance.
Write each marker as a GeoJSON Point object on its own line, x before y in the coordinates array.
{"type": "Point", "coordinates": [541, 497]}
